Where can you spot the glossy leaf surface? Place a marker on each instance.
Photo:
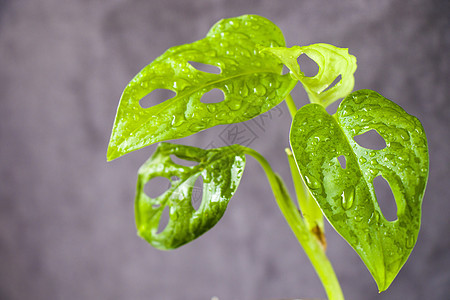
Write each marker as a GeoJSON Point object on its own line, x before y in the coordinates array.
{"type": "Point", "coordinates": [346, 195]}
{"type": "Point", "coordinates": [250, 81]}
{"type": "Point", "coordinates": [221, 170]}
{"type": "Point", "coordinates": [332, 62]}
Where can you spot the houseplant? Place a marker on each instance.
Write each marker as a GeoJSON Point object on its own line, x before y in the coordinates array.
{"type": "Point", "coordinates": [333, 175]}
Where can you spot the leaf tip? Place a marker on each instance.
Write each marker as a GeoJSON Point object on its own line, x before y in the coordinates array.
{"type": "Point", "coordinates": [111, 153]}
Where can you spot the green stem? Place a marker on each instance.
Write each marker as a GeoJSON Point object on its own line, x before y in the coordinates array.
{"type": "Point", "coordinates": [309, 243]}
{"type": "Point", "coordinates": [296, 179]}
{"type": "Point", "coordinates": [308, 206]}
{"type": "Point", "coordinates": [291, 105]}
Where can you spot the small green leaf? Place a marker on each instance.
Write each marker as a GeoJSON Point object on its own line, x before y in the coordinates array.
{"type": "Point", "coordinates": [332, 62]}
{"type": "Point", "coordinates": [250, 81]}
{"type": "Point", "coordinates": [346, 195]}
{"type": "Point", "coordinates": [221, 170]}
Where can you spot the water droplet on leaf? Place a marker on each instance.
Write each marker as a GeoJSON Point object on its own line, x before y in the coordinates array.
{"type": "Point", "coordinates": [377, 216]}
{"type": "Point", "coordinates": [234, 105]}
{"type": "Point", "coordinates": [348, 196]}
{"type": "Point", "coordinates": [410, 241]}
{"type": "Point", "coordinates": [312, 182]}
{"type": "Point", "coordinates": [260, 90]}
{"type": "Point", "coordinates": [211, 107]}
{"type": "Point", "coordinates": [221, 115]}
{"type": "Point", "coordinates": [358, 218]}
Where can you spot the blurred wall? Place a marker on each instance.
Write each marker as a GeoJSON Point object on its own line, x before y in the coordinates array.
{"type": "Point", "coordinates": [66, 216]}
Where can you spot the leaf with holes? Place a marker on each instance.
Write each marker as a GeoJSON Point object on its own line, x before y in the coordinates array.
{"type": "Point", "coordinates": [333, 62]}
{"type": "Point", "coordinates": [250, 81]}
{"type": "Point", "coordinates": [221, 170]}
{"type": "Point", "coordinates": [346, 195]}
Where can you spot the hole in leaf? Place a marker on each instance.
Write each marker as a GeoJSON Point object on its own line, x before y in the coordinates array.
{"type": "Point", "coordinates": [370, 140]}
{"type": "Point", "coordinates": [308, 66]}
{"type": "Point", "coordinates": [157, 186]}
{"type": "Point", "coordinates": [342, 161]}
{"type": "Point", "coordinates": [197, 193]}
{"type": "Point", "coordinates": [205, 67]}
{"type": "Point", "coordinates": [285, 70]}
{"type": "Point", "coordinates": [164, 220]}
{"type": "Point", "coordinates": [335, 81]}
{"type": "Point", "coordinates": [156, 97]}
{"type": "Point", "coordinates": [183, 162]}
{"type": "Point", "coordinates": [385, 198]}
{"type": "Point", "coordinates": [213, 96]}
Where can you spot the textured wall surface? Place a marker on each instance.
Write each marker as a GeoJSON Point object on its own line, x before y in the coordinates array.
{"type": "Point", "coordinates": [66, 216]}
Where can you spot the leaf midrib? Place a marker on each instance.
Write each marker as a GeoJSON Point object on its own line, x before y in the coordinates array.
{"type": "Point", "coordinates": [380, 244]}
{"type": "Point", "coordinates": [182, 95]}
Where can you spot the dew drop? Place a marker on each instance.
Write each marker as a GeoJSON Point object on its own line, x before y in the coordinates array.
{"type": "Point", "coordinates": [243, 91]}
{"type": "Point", "coordinates": [376, 216]}
{"type": "Point", "coordinates": [312, 182]}
{"type": "Point", "coordinates": [245, 53]}
{"type": "Point", "coordinates": [388, 157]}
{"type": "Point", "coordinates": [404, 136]}
{"type": "Point", "coordinates": [362, 160]}
{"type": "Point", "coordinates": [347, 111]}
{"type": "Point", "coordinates": [197, 127]}
{"type": "Point", "coordinates": [348, 196]}
{"type": "Point", "coordinates": [221, 115]}
{"type": "Point", "coordinates": [358, 99]}
{"type": "Point", "coordinates": [260, 90]}
{"type": "Point", "coordinates": [234, 105]}
{"type": "Point", "coordinates": [358, 218]}
{"type": "Point", "coordinates": [211, 107]}
{"type": "Point", "coordinates": [366, 119]}
{"type": "Point", "coordinates": [177, 121]}
{"type": "Point", "coordinates": [410, 241]}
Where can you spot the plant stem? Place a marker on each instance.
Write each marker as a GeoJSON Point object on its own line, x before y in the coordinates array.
{"type": "Point", "coordinates": [309, 243]}
{"type": "Point", "coordinates": [291, 105]}
{"type": "Point", "coordinates": [297, 180]}
{"type": "Point", "coordinates": [308, 206]}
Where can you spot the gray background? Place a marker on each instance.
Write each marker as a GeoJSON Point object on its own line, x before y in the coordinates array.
{"type": "Point", "coordinates": [66, 216]}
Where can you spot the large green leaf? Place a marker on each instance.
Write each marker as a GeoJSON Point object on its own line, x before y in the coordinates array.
{"type": "Point", "coordinates": [251, 82]}
{"type": "Point", "coordinates": [346, 195]}
{"type": "Point", "coordinates": [221, 170]}
{"type": "Point", "coordinates": [332, 61]}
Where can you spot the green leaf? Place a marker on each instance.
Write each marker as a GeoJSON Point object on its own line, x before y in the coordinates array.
{"type": "Point", "coordinates": [250, 81]}
{"type": "Point", "coordinates": [346, 195]}
{"type": "Point", "coordinates": [221, 170]}
{"type": "Point", "coordinates": [332, 62]}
